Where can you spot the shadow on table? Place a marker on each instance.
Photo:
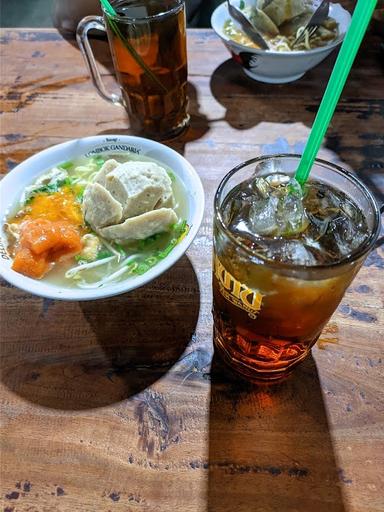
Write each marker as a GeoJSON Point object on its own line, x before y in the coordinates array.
{"type": "Point", "coordinates": [270, 449]}
{"type": "Point", "coordinates": [81, 355]}
{"type": "Point", "coordinates": [265, 102]}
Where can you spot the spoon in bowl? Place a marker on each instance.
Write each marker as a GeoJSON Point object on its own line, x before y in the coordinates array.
{"type": "Point", "coordinates": [247, 26]}
{"type": "Point", "coordinates": [319, 15]}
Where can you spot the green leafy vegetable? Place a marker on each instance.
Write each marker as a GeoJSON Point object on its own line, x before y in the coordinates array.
{"type": "Point", "coordinates": [180, 227]}
{"type": "Point", "coordinates": [172, 176]}
{"type": "Point", "coordinates": [80, 194]}
{"type": "Point", "coordinates": [143, 244]}
{"type": "Point", "coordinates": [80, 259]}
{"type": "Point", "coordinates": [103, 253]}
{"type": "Point", "coordinates": [120, 248]}
{"type": "Point", "coordinates": [164, 253]}
{"type": "Point", "coordinates": [139, 267]}
{"type": "Point", "coordinates": [98, 161]}
{"type": "Point", "coordinates": [142, 268]}
{"type": "Point", "coordinates": [66, 165]}
{"type": "Point", "coordinates": [49, 189]}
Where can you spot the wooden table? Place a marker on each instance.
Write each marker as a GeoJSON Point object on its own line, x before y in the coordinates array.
{"type": "Point", "coordinates": [114, 405]}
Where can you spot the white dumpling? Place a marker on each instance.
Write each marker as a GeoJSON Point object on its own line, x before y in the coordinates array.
{"type": "Point", "coordinates": [280, 11]}
{"type": "Point", "coordinates": [263, 22]}
{"type": "Point", "coordinates": [106, 168]}
{"type": "Point", "coordinates": [141, 226]}
{"type": "Point", "coordinates": [139, 187]}
{"type": "Point", "coordinates": [100, 208]}
{"type": "Point", "coordinates": [166, 200]}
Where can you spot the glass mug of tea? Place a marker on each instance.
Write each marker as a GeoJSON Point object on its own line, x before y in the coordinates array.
{"type": "Point", "coordinates": [283, 258]}
{"type": "Point", "coordinates": [147, 39]}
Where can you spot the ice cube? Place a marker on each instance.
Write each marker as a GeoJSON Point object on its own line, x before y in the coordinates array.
{"type": "Point", "coordinates": [262, 216]}
{"type": "Point", "coordinates": [261, 187]}
{"type": "Point", "coordinates": [277, 180]}
{"type": "Point", "coordinates": [273, 217]}
{"type": "Point", "coordinates": [316, 228]}
{"type": "Point", "coordinates": [290, 214]}
{"type": "Point", "coordinates": [346, 235]}
{"type": "Point", "coordinates": [295, 251]}
{"type": "Point", "coordinates": [278, 208]}
{"type": "Point", "coordinates": [322, 202]}
{"type": "Point", "coordinates": [238, 208]}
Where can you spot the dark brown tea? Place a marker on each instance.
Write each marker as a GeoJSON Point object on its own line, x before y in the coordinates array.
{"type": "Point", "coordinates": [266, 317]}
{"type": "Point", "coordinates": [150, 60]}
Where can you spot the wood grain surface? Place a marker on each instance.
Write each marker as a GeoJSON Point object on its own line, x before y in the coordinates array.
{"type": "Point", "coordinates": [117, 405]}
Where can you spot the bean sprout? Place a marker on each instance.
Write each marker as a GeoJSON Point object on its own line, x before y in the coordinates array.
{"type": "Point", "coordinates": [119, 272]}
{"type": "Point", "coordinates": [110, 248]}
{"type": "Point", "coordinates": [86, 266]}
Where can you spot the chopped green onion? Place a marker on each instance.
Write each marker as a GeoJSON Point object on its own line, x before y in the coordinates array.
{"type": "Point", "coordinates": [142, 268]}
{"type": "Point", "coordinates": [164, 253]}
{"type": "Point", "coordinates": [99, 161]}
{"type": "Point", "coordinates": [132, 267]}
{"type": "Point", "coordinates": [80, 195]}
{"type": "Point", "coordinates": [143, 244]}
{"type": "Point", "coordinates": [66, 165]}
{"type": "Point", "coordinates": [103, 253]}
{"type": "Point", "coordinates": [151, 260]}
{"type": "Point", "coordinates": [181, 226]}
{"type": "Point", "coordinates": [80, 258]}
{"type": "Point", "coordinates": [120, 248]}
{"type": "Point", "coordinates": [49, 189]}
{"type": "Point", "coordinates": [171, 175]}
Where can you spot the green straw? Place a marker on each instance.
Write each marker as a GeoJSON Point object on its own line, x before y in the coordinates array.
{"type": "Point", "coordinates": [359, 24]}
{"type": "Point", "coordinates": [110, 11]}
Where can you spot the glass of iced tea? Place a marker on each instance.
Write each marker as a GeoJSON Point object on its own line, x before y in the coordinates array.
{"type": "Point", "coordinates": [283, 258]}
{"type": "Point", "coordinates": [147, 39]}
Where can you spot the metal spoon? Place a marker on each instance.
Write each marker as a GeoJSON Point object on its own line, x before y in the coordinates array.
{"type": "Point", "coordinates": [247, 26]}
{"type": "Point", "coordinates": [319, 15]}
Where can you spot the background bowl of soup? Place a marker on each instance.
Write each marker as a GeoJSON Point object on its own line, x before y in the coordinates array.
{"type": "Point", "coordinates": [140, 260]}
{"type": "Point", "coordinates": [278, 67]}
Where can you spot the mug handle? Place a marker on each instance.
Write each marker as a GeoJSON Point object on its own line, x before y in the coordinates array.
{"type": "Point", "coordinates": [86, 24]}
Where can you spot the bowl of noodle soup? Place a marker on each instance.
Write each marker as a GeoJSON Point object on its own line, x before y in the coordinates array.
{"type": "Point", "coordinates": [96, 217]}
{"type": "Point", "coordinates": [279, 64]}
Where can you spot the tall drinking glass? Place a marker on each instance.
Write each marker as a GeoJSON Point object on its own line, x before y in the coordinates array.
{"type": "Point", "coordinates": [147, 39]}
{"type": "Point", "coordinates": [268, 312]}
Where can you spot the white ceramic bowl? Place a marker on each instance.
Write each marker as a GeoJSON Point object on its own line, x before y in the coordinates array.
{"type": "Point", "coordinates": [12, 186]}
{"type": "Point", "coordinates": [278, 67]}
